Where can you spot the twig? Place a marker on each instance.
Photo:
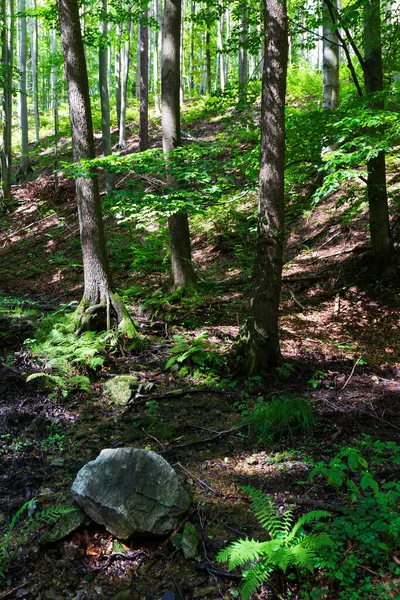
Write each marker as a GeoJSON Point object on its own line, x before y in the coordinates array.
{"type": "Point", "coordinates": [124, 555]}
{"type": "Point", "coordinates": [153, 438]}
{"type": "Point", "coordinates": [351, 374]}
{"type": "Point", "coordinates": [12, 590]}
{"type": "Point", "coordinates": [205, 485]}
{"type": "Point", "coordinates": [205, 440]}
{"type": "Point", "coordinates": [291, 292]}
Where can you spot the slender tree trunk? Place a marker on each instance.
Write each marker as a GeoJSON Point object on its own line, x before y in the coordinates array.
{"type": "Point", "coordinates": [138, 65]}
{"type": "Point", "coordinates": [125, 53]}
{"type": "Point", "coordinates": [104, 95]}
{"type": "Point", "coordinates": [144, 85]}
{"type": "Point", "coordinates": [191, 63]}
{"type": "Point", "coordinates": [54, 101]}
{"type": "Point", "coordinates": [382, 247]}
{"type": "Point", "coordinates": [24, 166]}
{"type": "Point", "coordinates": [243, 61]}
{"type": "Point", "coordinates": [118, 74]}
{"type": "Point", "coordinates": [208, 54]}
{"type": "Point", "coordinates": [98, 296]}
{"type": "Point", "coordinates": [33, 34]}
{"type": "Point", "coordinates": [7, 35]}
{"type": "Point", "coordinates": [262, 348]}
{"type": "Point", "coordinates": [221, 57]}
{"type": "Point", "coordinates": [330, 61]}
{"type": "Point", "coordinates": [156, 58]}
{"type": "Point", "coordinates": [183, 274]}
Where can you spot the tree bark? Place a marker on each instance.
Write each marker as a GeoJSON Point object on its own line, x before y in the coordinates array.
{"type": "Point", "coordinates": [243, 61]}
{"type": "Point", "coordinates": [183, 274]}
{"type": "Point", "coordinates": [262, 347]}
{"type": "Point", "coordinates": [330, 61]}
{"type": "Point", "coordinates": [144, 85]}
{"type": "Point", "coordinates": [98, 285]}
{"type": "Point", "coordinates": [104, 95]}
{"type": "Point", "coordinates": [54, 102]}
{"type": "Point", "coordinates": [7, 43]}
{"type": "Point", "coordinates": [125, 56]}
{"type": "Point", "coordinates": [24, 166]}
{"type": "Point", "coordinates": [33, 34]}
{"type": "Point", "coordinates": [382, 247]}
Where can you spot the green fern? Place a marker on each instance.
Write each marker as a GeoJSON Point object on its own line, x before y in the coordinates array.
{"type": "Point", "coordinates": [288, 547]}
{"type": "Point", "coordinates": [22, 527]}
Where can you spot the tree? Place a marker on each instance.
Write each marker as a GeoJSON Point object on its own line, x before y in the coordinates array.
{"type": "Point", "coordinates": [98, 296]}
{"type": "Point", "coordinates": [104, 95]}
{"type": "Point", "coordinates": [382, 247]}
{"type": "Point", "coordinates": [7, 53]}
{"type": "Point", "coordinates": [183, 274]}
{"type": "Point", "coordinates": [22, 96]}
{"type": "Point", "coordinates": [261, 334]}
{"type": "Point", "coordinates": [330, 61]}
{"type": "Point", "coordinates": [125, 55]}
{"type": "Point", "coordinates": [144, 83]}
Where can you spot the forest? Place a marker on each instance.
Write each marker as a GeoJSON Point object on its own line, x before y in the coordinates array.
{"type": "Point", "coordinates": [199, 269]}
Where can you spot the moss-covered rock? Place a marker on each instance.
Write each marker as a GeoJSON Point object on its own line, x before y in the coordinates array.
{"type": "Point", "coordinates": [122, 388]}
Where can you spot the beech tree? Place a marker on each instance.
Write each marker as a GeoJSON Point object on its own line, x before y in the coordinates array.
{"type": "Point", "coordinates": [330, 61]}
{"type": "Point", "coordinates": [22, 96]}
{"type": "Point", "coordinates": [144, 83]}
{"type": "Point", "coordinates": [7, 54]}
{"type": "Point", "coordinates": [183, 274]}
{"type": "Point", "coordinates": [261, 332]}
{"type": "Point", "coordinates": [99, 297]}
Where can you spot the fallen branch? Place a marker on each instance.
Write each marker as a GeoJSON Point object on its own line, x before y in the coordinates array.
{"type": "Point", "coordinates": [317, 504]}
{"type": "Point", "coordinates": [206, 487]}
{"type": "Point", "coordinates": [351, 374]}
{"type": "Point", "coordinates": [131, 555]}
{"type": "Point", "coordinates": [205, 440]}
{"type": "Point", "coordinates": [299, 304]}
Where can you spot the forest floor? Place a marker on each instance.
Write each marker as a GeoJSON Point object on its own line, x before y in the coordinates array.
{"type": "Point", "coordinates": [341, 347]}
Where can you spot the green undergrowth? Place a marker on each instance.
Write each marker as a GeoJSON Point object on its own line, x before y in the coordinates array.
{"type": "Point", "coordinates": [347, 552]}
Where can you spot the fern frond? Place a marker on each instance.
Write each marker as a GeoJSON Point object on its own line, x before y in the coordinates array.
{"type": "Point", "coordinates": [314, 515]}
{"type": "Point", "coordinates": [241, 552]}
{"type": "Point", "coordinates": [253, 578]}
{"type": "Point", "coordinates": [287, 522]}
{"type": "Point", "coordinates": [265, 511]}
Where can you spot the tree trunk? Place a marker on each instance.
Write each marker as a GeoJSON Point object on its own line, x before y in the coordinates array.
{"type": "Point", "coordinates": [7, 45]}
{"type": "Point", "coordinates": [243, 62]}
{"type": "Point", "coordinates": [156, 59]}
{"type": "Point", "coordinates": [33, 34]}
{"type": "Point", "coordinates": [262, 343]}
{"type": "Point", "coordinates": [125, 54]}
{"type": "Point", "coordinates": [144, 85]}
{"type": "Point", "coordinates": [104, 95]}
{"type": "Point", "coordinates": [98, 296]}
{"type": "Point", "coordinates": [208, 53]}
{"type": "Point", "coordinates": [221, 56]}
{"type": "Point", "coordinates": [118, 74]}
{"type": "Point", "coordinates": [382, 247]}
{"type": "Point", "coordinates": [330, 61]}
{"type": "Point", "coordinates": [24, 166]}
{"type": "Point", "coordinates": [183, 274]}
{"type": "Point", "coordinates": [54, 101]}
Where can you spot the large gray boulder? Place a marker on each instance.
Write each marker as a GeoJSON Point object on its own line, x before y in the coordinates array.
{"type": "Point", "coordinates": [131, 491]}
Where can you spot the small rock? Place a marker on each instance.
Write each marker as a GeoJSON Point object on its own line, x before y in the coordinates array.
{"type": "Point", "coordinates": [168, 596]}
{"type": "Point", "coordinates": [122, 388]}
{"type": "Point", "coordinates": [252, 460]}
{"type": "Point", "coordinates": [58, 462]}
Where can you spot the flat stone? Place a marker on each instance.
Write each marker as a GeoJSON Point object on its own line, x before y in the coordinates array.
{"type": "Point", "coordinates": [131, 491]}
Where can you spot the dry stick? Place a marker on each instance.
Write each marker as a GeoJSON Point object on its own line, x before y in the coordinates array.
{"type": "Point", "coordinates": [203, 441]}
{"type": "Point", "coordinates": [30, 225]}
{"type": "Point", "coordinates": [306, 501]}
{"type": "Point", "coordinates": [205, 485]}
{"type": "Point", "coordinates": [351, 374]}
{"type": "Point", "coordinates": [291, 292]}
